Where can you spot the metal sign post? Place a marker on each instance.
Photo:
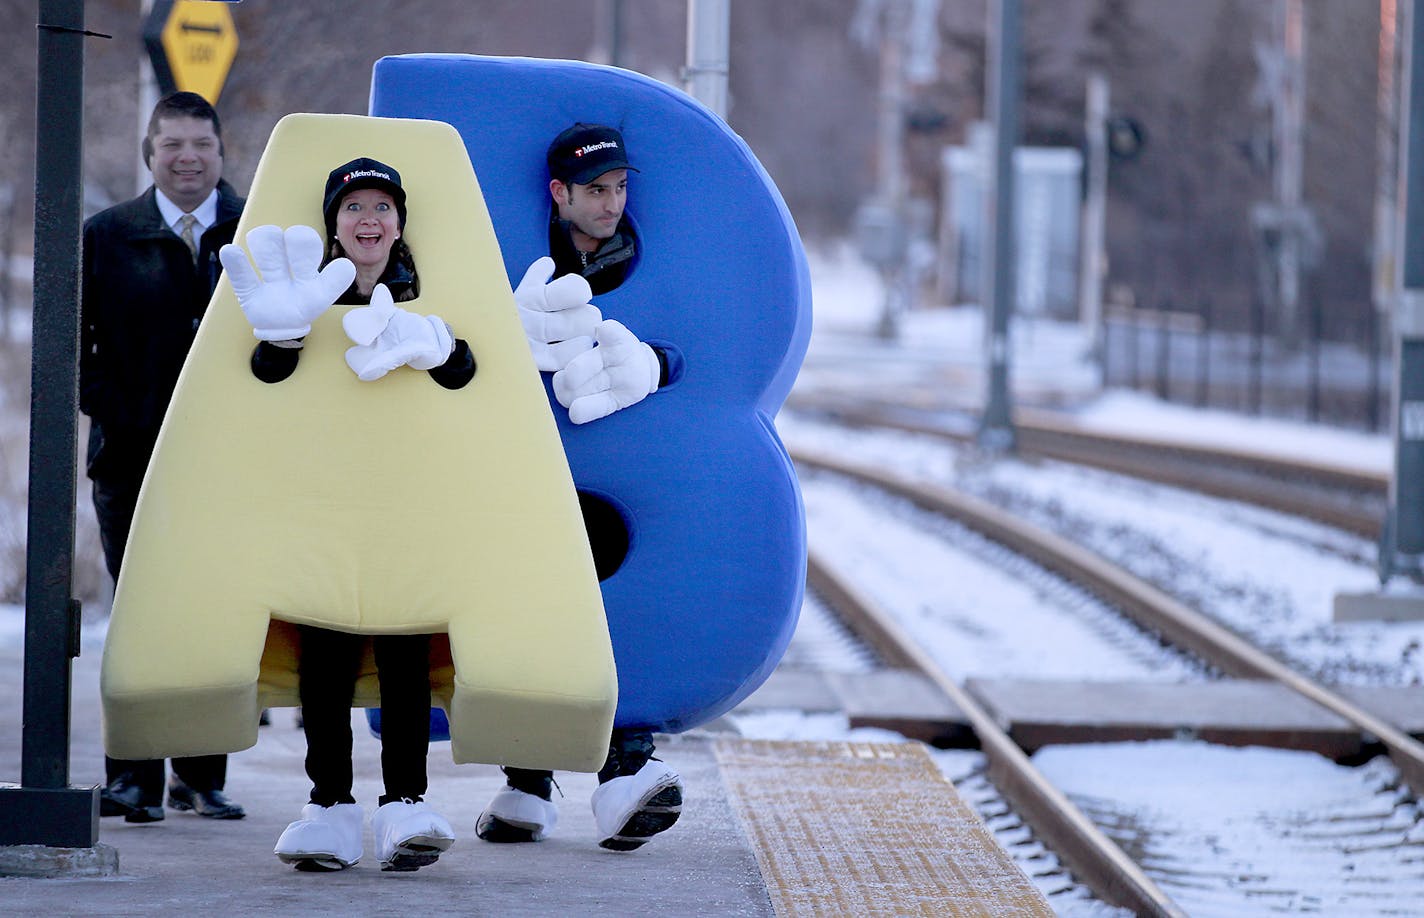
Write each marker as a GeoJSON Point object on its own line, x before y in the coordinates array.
{"type": "Point", "coordinates": [996, 427]}
{"type": "Point", "coordinates": [1401, 556]}
{"type": "Point", "coordinates": [1405, 549]}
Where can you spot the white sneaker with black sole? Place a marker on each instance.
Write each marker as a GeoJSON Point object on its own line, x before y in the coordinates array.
{"type": "Point", "coordinates": [631, 809]}
{"type": "Point", "coordinates": [410, 836]}
{"type": "Point", "coordinates": [325, 838]}
{"type": "Point", "coordinates": [517, 816]}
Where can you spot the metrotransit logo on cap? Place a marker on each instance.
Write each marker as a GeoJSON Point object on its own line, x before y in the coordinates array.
{"type": "Point", "coordinates": [595, 147]}
{"type": "Point", "coordinates": [365, 173]}
{"type": "Point", "coordinates": [584, 152]}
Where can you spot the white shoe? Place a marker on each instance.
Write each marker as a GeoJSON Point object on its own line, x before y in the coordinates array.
{"type": "Point", "coordinates": [631, 809]}
{"type": "Point", "coordinates": [410, 836]}
{"type": "Point", "coordinates": [517, 816]}
{"type": "Point", "coordinates": [325, 838]}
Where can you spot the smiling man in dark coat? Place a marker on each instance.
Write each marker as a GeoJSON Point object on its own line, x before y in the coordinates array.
{"type": "Point", "coordinates": [150, 266]}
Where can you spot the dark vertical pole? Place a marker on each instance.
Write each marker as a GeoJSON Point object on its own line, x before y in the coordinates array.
{"type": "Point", "coordinates": [1131, 330]}
{"type": "Point", "coordinates": [615, 37]}
{"type": "Point", "coordinates": [53, 395]}
{"type": "Point", "coordinates": [1101, 334]}
{"type": "Point", "coordinates": [1406, 498]}
{"type": "Point", "coordinates": [1164, 352]}
{"type": "Point", "coordinates": [1204, 355]}
{"type": "Point", "coordinates": [996, 429]}
{"type": "Point", "coordinates": [1374, 390]}
{"type": "Point", "coordinates": [1256, 383]}
{"type": "Point", "coordinates": [1313, 380]}
{"type": "Point", "coordinates": [43, 810]}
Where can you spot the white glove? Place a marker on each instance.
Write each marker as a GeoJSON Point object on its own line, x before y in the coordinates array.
{"type": "Point", "coordinates": [558, 318]}
{"type": "Point", "coordinates": [282, 303]}
{"type": "Point", "coordinates": [387, 337]}
{"type": "Point", "coordinates": [619, 372]}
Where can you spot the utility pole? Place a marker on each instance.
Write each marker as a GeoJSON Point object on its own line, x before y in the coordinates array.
{"type": "Point", "coordinates": [1289, 119]}
{"type": "Point", "coordinates": [1091, 268]}
{"type": "Point", "coordinates": [890, 136]}
{"type": "Point", "coordinates": [708, 43]}
{"type": "Point", "coordinates": [891, 226]}
{"type": "Point", "coordinates": [147, 99]}
{"type": "Point", "coordinates": [1387, 161]}
{"type": "Point", "coordinates": [1285, 233]}
{"type": "Point", "coordinates": [996, 428]}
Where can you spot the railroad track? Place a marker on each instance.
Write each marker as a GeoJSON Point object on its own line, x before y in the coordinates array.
{"type": "Point", "coordinates": [1098, 861]}
{"type": "Point", "coordinates": [1093, 857]}
{"type": "Point", "coordinates": [1346, 498]}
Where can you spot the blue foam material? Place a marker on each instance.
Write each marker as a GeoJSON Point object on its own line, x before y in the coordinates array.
{"type": "Point", "coordinates": [707, 598]}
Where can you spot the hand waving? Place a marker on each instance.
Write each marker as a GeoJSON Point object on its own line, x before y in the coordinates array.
{"type": "Point", "coordinates": [290, 293]}
{"type": "Point", "coordinates": [558, 318]}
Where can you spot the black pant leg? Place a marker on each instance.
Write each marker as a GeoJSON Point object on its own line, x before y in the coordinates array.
{"type": "Point", "coordinates": [327, 665]}
{"type": "Point", "coordinates": [403, 666]}
{"type": "Point", "coordinates": [201, 772]}
{"type": "Point", "coordinates": [530, 780]}
{"type": "Point", "coordinates": [114, 503]}
{"type": "Point", "coordinates": [629, 749]}
{"type": "Point", "coordinates": [114, 509]}
{"type": "Point", "coordinates": [146, 773]}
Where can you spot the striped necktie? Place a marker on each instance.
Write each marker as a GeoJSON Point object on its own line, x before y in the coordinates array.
{"type": "Point", "coordinates": [187, 235]}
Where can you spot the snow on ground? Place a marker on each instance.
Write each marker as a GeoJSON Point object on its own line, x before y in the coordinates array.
{"type": "Point", "coordinates": [970, 602]}
{"type": "Point", "coordinates": [1271, 576]}
{"type": "Point", "coordinates": [1230, 832]}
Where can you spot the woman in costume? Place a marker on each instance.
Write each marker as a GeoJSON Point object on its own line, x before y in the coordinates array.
{"type": "Point", "coordinates": [365, 213]}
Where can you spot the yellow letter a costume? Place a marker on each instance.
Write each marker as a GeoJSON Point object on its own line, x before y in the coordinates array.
{"type": "Point", "coordinates": [386, 507]}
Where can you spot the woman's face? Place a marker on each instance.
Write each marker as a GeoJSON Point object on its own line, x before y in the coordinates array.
{"type": "Point", "coordinates": [367, 225]}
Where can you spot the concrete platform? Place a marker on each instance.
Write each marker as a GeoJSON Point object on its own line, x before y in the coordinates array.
{"type": "Point", "coordinates": [763, 824]}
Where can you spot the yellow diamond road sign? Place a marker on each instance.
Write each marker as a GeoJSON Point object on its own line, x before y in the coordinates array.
{"type": "Point", "coordinates": [192, 44]}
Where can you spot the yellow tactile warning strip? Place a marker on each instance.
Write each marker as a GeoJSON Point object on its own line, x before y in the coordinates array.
{"type": "Point", "coordinates": [868, 829]}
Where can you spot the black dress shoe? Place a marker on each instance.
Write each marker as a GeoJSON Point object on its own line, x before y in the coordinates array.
{"type": "Point", "coordinates": [213, 804]}
{"type": "Point", "coordinates": [124, 798]}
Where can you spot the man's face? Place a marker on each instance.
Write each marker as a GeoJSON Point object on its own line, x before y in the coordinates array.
{"type": "Point", "coordinates": [186, 161]}
{"type": "Point", "coordinates": [594, 209]}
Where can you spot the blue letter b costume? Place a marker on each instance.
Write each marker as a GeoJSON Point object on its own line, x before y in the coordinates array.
{"type": "Point", "coordinates": [705, 600]}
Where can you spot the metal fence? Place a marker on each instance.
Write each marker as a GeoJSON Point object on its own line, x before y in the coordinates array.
{"type": "Point", "coordinates": [1179, 354]}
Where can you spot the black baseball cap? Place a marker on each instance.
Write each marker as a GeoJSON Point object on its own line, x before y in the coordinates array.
{"type": "Point", "coordinates": [584, 152]}
{"type": "Point", "coordinates": [362, 172]}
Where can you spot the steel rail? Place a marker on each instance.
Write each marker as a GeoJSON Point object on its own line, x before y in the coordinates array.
{"type": "Point", "coordinates": [1096, 859]}
{"type": "Point", "coordinates": [1289, 485]}
{"type": "Point", "coordinates": [1149, 606]}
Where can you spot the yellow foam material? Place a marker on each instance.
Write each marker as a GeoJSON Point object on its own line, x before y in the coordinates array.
{"type": "Point", "coordinates": [394, 506]}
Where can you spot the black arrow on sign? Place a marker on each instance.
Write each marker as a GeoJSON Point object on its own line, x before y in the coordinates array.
{"type": "Point", "coordinates": [190, 27]}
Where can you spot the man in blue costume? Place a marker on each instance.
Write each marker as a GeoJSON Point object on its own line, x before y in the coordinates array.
{"type": "Point", "coordinates": [592, 247]}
